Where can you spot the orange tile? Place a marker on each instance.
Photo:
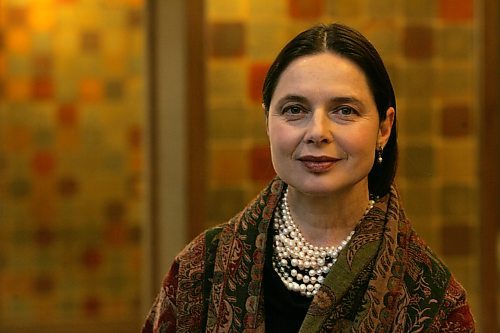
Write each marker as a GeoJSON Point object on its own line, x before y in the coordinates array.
{"type": "Point", "coordinates": [17, 40]}
{"type": "Point", "coordinates": [42, 88]}
{"type": "Point", "coordinates": [43, 163]}
{"type": "Point", "coordinates": [261, 166]}
{"type": "Point", "coordinates": [418, 42]}
{"type": "Point", "coordinates": [306, 9]}
{"type": "Point", "coordinates": [228, 165]}
{"type": "Point", "coordinates": [136, 161]}
{"type": "Point", "coordinates": [136, 3]}
{"type": "Point", "coordinates": [456, 10]}
{"type": "Point", "coordinates": [456, 121]}
{"type": "Point", "coordinates": [135, 136]}
{"type": "Point", "coordinates": [16, 139]}
{"type": "Point", "coordinates": [68, 139]}
{"type": "Point", "coordinates": [227, 39]}
{"type": "Point", "coordinates": [67, 115]}
{"type": "Point", "coordinates": [17, 89]}
{"type": "Point", "coordinates": [457, 239]}
{"type": "Point", "coordinates": [17, 15]}
{"type": "Point", "coordinates": [91, 90]}
{"type": "Point", "coordinates": [256, 78]}
{"type": "Point", "coordinates": [3, 66]}
{"type": "Point", "coordinates": [43, 19]}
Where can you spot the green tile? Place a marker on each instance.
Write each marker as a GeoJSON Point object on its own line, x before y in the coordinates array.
{"type": "Point", "coordinates": [226, 81]}
{"type": "Point", "coordinates": [345, 8]}
{"type": "Point", "coordinates": [224, 203]}
{"type": "Point", "coordinates": [416, 118]}
{"type": "Point", "coordinates": [228, 122]}
{"type": "Point", "coordinates": [419, 162]}
{"type": "Point", "coordinates": [419, 201]}
{"type": "Point", "coordinates": [382, 8]}
{"type": "Point", "coordinates": [417, 81]}
{"type": "Point", "coordinates": [18, 65]}
{"type": "Point", "coordinates": [458, 200]}
{"type": "Point", "coordinates": [420, 9]}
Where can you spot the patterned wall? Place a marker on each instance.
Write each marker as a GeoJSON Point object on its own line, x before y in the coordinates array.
{"type": "Point", "coordinates": [429, 47]}
{"type": "Point", "coordinates": [71, 162]}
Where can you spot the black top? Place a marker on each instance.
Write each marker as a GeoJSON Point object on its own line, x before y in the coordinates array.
{"type": "Point", "coordinates": [284, 309]}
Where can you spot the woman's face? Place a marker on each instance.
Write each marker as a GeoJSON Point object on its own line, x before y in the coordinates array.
{"type": "Point", "coordinates": [323, 125]}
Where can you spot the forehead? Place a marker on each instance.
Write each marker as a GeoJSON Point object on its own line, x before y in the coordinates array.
{"type": "Point", "coordinates": [325, 71]}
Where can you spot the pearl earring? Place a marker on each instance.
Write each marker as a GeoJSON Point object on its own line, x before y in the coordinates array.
{"type": "Point", "coordinates": [380, 150]}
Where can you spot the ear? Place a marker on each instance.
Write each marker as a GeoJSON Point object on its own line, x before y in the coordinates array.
{"type": "Point", "coordinates": [385, 127]}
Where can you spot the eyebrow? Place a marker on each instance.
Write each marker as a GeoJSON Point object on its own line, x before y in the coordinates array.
{"type": "Point", "coordinates": [334, 100]}
{"type": "Point", "coordinates": [292, 98]}
{"type": "Point", "coordinates": [347, 100]}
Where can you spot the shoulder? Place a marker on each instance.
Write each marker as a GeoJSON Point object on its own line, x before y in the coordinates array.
{"type": "Point", "coordinates": [428, 272]}
{"type": "Point", "coordinates": [424, 266]}
{"type": "Point", "coordinates": [203, 244]}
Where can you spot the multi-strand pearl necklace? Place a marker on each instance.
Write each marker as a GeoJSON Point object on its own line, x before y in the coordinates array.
{"type": "Point", "coordinates": [302, 266]}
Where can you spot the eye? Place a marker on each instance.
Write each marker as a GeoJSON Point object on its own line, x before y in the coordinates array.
{"type": "Point", "coordinates": [345, 111]}
{"type": "Point", "coordinates": [293, 110]}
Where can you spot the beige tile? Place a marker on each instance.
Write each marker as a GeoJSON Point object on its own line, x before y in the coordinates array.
{"type": "Point", "coordinates": [458, 162]}
{"type": "Point", "coordinates": [456, 43]}
{"type": "Point", "coordinates": [226, 9]}
{"type": "Point", "coordinates": [228, 164]}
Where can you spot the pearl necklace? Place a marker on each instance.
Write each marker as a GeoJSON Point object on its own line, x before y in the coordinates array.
{"type": "Point", "coordinates": [302, 266]}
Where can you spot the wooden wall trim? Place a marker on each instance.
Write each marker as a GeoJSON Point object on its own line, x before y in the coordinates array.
{"type": "Point", "coordinates": [489, 166]}
{"type": "Point", "coordinates": [196, 118]}
{"type": "Point", "coordinates": [166, 232]}
{"type": "Point", "coordinates": [151, 228]}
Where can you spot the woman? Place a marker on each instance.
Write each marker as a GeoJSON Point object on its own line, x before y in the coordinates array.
{"type": "Point", "coordinates": [326, 247]}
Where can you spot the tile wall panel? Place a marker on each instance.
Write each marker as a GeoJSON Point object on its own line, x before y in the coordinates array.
{"type": "Point", "coordinates": [431, 54]}
{"type": "Point", "coordinates": [72, 167]}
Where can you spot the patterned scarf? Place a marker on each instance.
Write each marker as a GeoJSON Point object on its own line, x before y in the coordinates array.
{"type": "Point", "coordinates": [385, 280]}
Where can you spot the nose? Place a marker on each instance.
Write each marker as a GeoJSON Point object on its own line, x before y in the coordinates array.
{"type": "Point", "coordinates": [319, 129]}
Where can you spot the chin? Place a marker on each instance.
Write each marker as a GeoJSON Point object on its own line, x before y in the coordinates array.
{"type": "Point", "coordinates": [322, 187]}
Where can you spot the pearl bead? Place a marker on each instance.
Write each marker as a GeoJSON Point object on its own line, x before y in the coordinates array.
{"type": "Point", "coordinates": [295, 259]}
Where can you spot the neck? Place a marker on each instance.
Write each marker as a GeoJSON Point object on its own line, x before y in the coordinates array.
{"type": "Point", "coordinates": [326, 220]}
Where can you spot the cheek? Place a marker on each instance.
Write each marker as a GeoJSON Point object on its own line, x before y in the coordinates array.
{"type": "Point", "coordinates": [361, 143]}
{"type": "Point", "coordinates": [281, 138]}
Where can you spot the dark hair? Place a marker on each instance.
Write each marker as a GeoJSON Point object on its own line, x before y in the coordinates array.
{"type": "Point", "coordinates": [352, 45]}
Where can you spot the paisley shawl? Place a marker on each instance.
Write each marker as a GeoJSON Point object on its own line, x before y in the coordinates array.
{"type": "Point", "coordinates": [385, 280]}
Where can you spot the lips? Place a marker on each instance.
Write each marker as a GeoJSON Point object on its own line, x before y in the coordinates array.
{"type": "Point", "coordinates": [318, 164]}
